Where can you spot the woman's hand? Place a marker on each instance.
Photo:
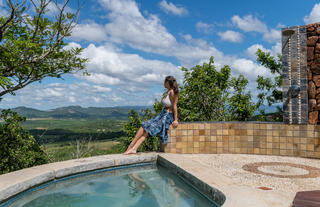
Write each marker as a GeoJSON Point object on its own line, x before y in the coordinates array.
{"type": "Point", "coordinates": [175, 123]}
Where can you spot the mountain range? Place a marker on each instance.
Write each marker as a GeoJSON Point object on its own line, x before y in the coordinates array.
{"type": "Point", "coordinates": [119, 112]}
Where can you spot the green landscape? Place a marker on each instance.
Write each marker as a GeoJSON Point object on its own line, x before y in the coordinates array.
{"type": "Point", "coordinates": [73, 132]}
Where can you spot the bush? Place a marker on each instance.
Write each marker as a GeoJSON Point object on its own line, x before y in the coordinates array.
{"type": "Point", "coordinates": [18, 148]}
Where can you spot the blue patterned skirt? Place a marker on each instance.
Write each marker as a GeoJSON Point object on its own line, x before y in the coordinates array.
{"type": "Point", "coordinates": [159, 125]}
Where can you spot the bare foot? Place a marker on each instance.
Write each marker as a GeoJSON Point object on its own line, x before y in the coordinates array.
{"type": "Point", "coordinates": [130, 151]}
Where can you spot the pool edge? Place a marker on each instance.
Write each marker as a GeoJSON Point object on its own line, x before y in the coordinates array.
{"type": "Point", "coordinates": [14, 183]}
{"type": "Point", "coordinates": [209, 191]}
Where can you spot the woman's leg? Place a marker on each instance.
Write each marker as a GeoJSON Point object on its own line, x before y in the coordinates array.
{"type": "Point", "coordinates": [134, 149]}
{"type": "Point", "coordinates": [138, 135]}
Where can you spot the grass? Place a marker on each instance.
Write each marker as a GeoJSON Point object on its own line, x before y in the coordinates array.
{"type": "Point", "coordinates": [71, 150]}
{"type": "Point", "coordinates": [75, 125]}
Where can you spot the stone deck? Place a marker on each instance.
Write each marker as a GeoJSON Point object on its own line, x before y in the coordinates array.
{"type": "Point", "coordinates": [245, 180]}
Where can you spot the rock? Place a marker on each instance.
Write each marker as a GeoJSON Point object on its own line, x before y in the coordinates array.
{"type": "Point", "coordinates": [316, 80]}
{"type": "Point", "coordinates": [310, 29]}
{"type": "Point", "coordinates": [312, 104]}
{"type": "Point", "coordinates": [310, 53]}
{"type": "Point", "coordinates": [317, 48]}
{"type": "Point", "coordinates": [315, 66]}
{"type": "Point", "coordinates": [310, 25]}
{"type": "Point", "coordinates": [318, 91]}
{"type": "Point", "coordinates": [318, 97]}
{"type": "Point", "coordinates": [311, 90]}
{"type": "Point", "coordinates": [313, 117]}
{"type": "Point", "coordinates": [312, 40]}
{"type": "Point", "coordinates": [318, 30]}
{"type": "Point", "coordinates": [309, 74]}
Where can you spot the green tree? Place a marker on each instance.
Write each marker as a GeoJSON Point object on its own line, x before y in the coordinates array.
{"type": "Point", "coordinates": [270, 89]}
{"type": "Point", "coordinates": [204, 93]}
{"type": "Point", "coordinates": [18, 148]}
{"type": "Point", "coordinates": [240, 105]}
{"type": "Point", "coordinates": [32, 47]}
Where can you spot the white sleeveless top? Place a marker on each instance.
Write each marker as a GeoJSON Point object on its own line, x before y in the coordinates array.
{"type": "Point", "coordinates": [166, 101]}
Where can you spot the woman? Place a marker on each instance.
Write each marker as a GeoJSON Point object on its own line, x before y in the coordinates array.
{"type": "Point", "coordinates": [161, 123]}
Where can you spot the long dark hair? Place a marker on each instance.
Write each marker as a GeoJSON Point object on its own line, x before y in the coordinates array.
{"type": "Point", "coordinates": [172, 83]}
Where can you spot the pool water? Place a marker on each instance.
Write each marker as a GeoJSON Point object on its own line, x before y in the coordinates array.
{"type": "Point", "coordinates": [143, 186]}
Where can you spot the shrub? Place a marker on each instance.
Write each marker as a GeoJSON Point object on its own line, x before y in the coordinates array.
{"type": "Point", "coordinates": [18, 148]}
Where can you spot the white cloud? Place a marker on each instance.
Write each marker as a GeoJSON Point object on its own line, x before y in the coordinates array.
{"type": "Point", "coordinates": [281, 25]}
{"type": "Point", "coordinates": [128, 26]}
{"type": "Point", "coordinates": [272, 36]}
{"type": "Point", "coordinates": [101, 89]}
{"type": "Point", "coordinates": [100, 78]}
{"type": "Point", "coordinates": [249, 68]}
{"type": "Point", "coordinates": [78, 93]}
{"type": "Point", "coordinates": [90, 31]}
{"type": "Point", "coordinates": [171, 8]}
{"type": "Point", "coordinates": [249, 24]}
{"type": "Point", "coordinates": [112, 67]}
{"type": "Point", "coordinates": [72, 45]}
{"type": "Point", "coordinates": [133, 75]}
{"type": "Point", "coordinates": [274, 51]}
{"type": "Point", "coordinates": [149, 35]}
{"type": "Point", "coordinates": [251, 51]}
{"type": "Point", "coordinates": [314, 15]}
{"type": "Point", "coordinates": [203, 27]}
{"type": "Point", "coordinates": [230, 36]}
{"type": "Point", "coordinates": [72, 99]}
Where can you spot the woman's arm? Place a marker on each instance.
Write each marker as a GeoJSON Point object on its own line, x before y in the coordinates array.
{"type": "Point", "coordinates": [175, 111]}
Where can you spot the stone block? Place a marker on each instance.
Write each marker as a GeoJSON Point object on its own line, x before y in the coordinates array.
{"type": "Point", "coordinates": [312, 40]}
{"type": "Point", "coordinates": [311, 90]}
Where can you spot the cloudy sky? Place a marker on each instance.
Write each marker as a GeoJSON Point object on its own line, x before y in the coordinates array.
{"type": "Point", "coordinates": [133, 44]}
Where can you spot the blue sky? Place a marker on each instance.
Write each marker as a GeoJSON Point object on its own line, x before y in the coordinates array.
{"type": "Point", "coordinates": [132, 45]}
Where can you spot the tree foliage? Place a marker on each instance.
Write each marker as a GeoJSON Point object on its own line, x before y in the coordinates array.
{"type": "Point", "coordinates": [18, 148]}
{"type": "Point", "coordinates": [204, 93]}
{"type": "Point", "coordinates": [212, 95]}
{"type": "Point", "coordinates": [240, 104]}
{"type": "Point", "coordinates": [270, 89]}
{"type": "Point", "coordinates": [32, 46]}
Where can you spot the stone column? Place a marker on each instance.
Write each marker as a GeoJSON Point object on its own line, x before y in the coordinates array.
{"type": "Point", "coordinates": [294, 63]}
{"type": "Point", "coordinates": [313, 32]}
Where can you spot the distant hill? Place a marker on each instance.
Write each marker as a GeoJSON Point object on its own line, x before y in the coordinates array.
{"type": "Point", "coordinates": [77, 112]}
{"type": "Point", "coordinates": [118, 113]}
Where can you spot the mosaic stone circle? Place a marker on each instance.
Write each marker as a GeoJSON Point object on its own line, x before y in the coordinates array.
{"type": "Point", "coordinates": [282, 169]}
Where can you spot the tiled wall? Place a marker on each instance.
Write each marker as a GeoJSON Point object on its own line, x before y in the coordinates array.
{"type": "Point", "coordinates": [245, 138]}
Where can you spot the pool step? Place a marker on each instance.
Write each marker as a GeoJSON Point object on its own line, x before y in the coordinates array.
{"type": "Point", "coordinates": [307, 199]}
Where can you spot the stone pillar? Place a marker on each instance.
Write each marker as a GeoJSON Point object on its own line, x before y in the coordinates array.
{"type": "Point", "coordinates": [313, 32]}
{"type": "Point", "coordinates": [295, 85]}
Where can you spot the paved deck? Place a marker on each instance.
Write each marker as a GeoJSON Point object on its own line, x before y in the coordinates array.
{"type": "Point", "coordinates": [245, 180]}
{"type": "Point", "coordinates": [252, 180]}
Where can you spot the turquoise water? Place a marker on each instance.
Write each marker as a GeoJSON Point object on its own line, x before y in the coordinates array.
{"type": "Point", "coordinates": [143, 186]}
